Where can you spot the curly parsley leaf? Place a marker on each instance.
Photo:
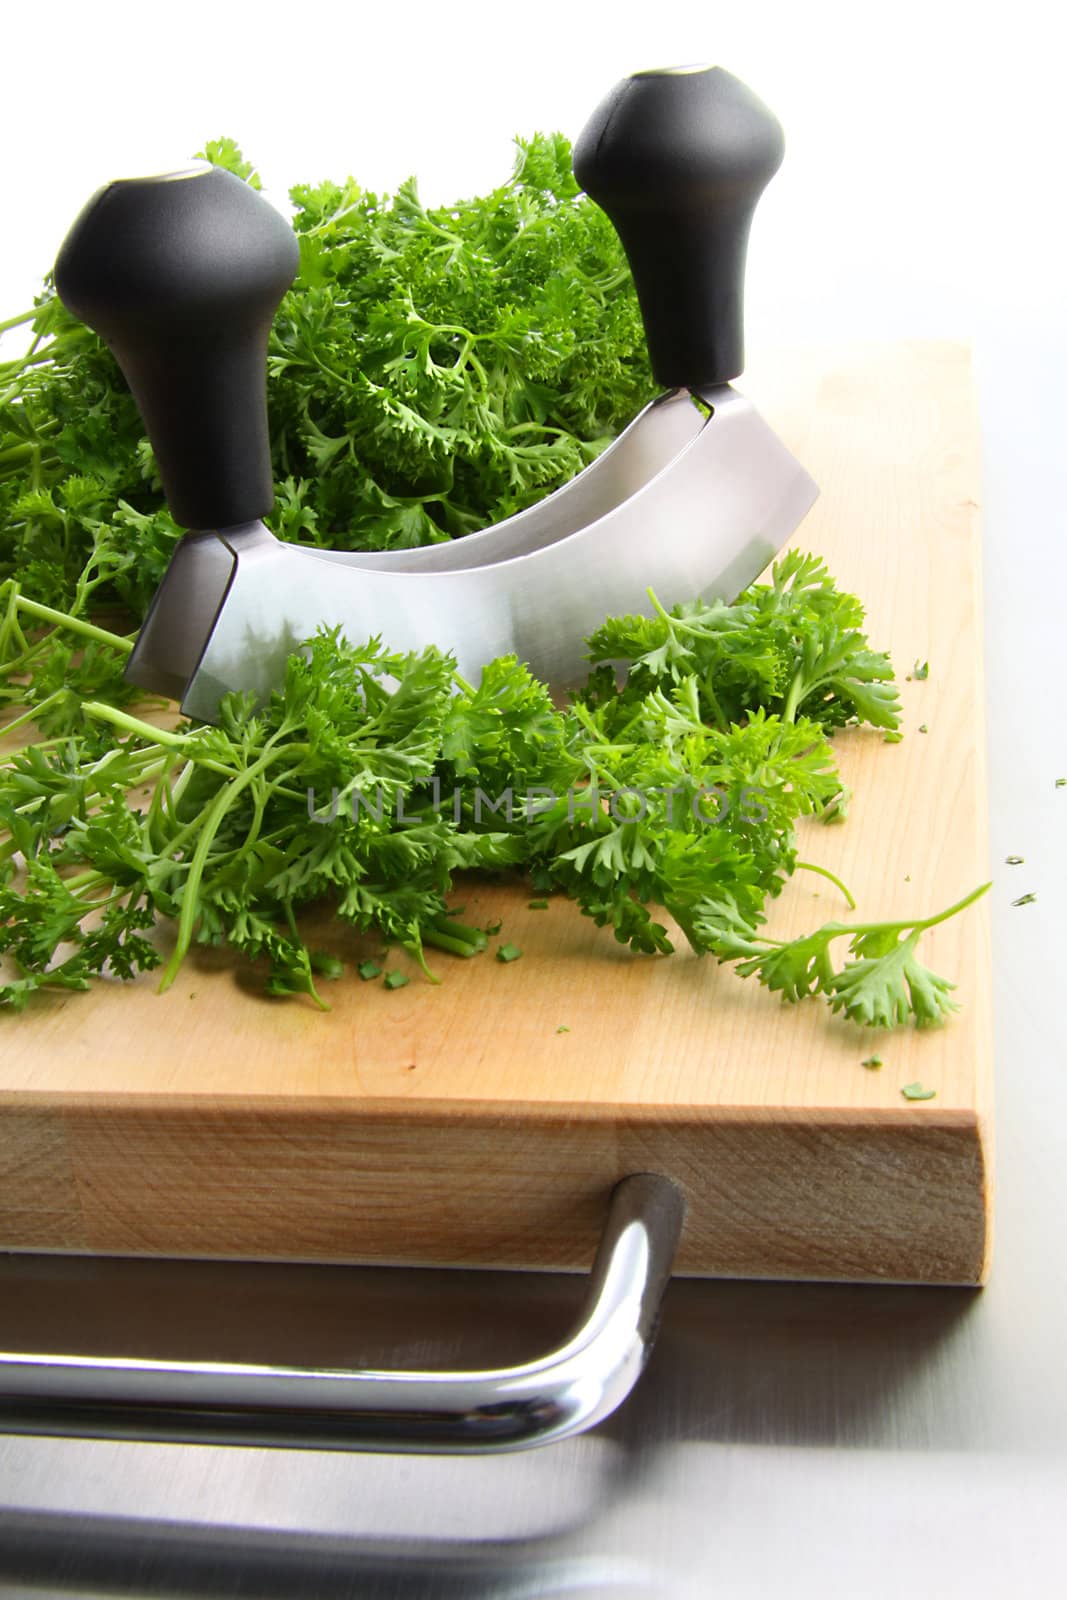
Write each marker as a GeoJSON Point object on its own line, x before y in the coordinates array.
{"type": "Point", "coordinates": [794, 646]}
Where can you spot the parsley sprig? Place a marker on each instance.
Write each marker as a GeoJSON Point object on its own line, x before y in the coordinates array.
{"type": "Point", "coordinates": [885, 986]}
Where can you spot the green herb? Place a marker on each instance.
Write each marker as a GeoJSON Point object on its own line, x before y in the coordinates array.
{"type": "Point", "coordinates": [537, 905]}
{"type": "Point", "coordinates": [921, 669]}
{"type": "Point", "coordinates": [892, 738]}
{"type": "Point", "coordinates": [885, 986]}
{"type": "Point", "coordinates": [368, 970]}
{"type": "Point", "coordinates": [563, 1028]}
{"type": "Point", "coordinates": [395, 980]}
{"type": "Point", "coordinates": [1025, 900]}
{"type": "Point", "coordinates": [493, 927]}
{"type": "Point", "coordinates": [1061, 783]}
{"type": "Point", "coordinates": [872, 1063]}
{"type": "Point", "coordinates": [1014, 861]}
{"type": "Point", "coordinates": [508, 952]}
{"type": "Point", "coordinates": [915, 1091]}
{"type": "Point", "coordinates": [923, 728]}
{"type": "Point", "coordinates": [793, 647]}
{"type": "Point", "coordinates": [433, 369]}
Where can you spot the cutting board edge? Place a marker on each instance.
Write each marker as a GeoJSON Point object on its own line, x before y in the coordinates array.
{"type": "Point", "coordinates": [415, 1110]}
{"type": "Point", "coordinates": [904, 1199]}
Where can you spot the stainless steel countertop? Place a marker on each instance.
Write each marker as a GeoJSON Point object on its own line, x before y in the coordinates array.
{"type": "Point", "coordinates": [786, 1439]}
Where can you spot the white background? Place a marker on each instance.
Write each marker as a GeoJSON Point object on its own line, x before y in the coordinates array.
{"type": "Point", "coordinates": [922, 194]}
{"type": "Point", "coordinates": [921, 191]}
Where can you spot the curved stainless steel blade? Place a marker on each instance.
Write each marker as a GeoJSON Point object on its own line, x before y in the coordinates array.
{"type": "Point", "coordinates": [704, 524]}
{"type": "Point", "coordinates": [643, 449]}
{"type": "Point", "coordinates": [184, 609]}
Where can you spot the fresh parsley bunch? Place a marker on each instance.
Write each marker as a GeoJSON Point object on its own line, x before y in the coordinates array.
{"type": "Point", "coordinates": [432, 370]}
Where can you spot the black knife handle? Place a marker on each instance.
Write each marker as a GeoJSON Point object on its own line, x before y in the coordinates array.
{"type": "Point", "coordinates": [181, 276]}
{"type": "Point", "coordinates": [678, 159]}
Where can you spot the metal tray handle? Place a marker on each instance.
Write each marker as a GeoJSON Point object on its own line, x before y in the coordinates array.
{"type": "Point", "coordinates": [508, 1408]}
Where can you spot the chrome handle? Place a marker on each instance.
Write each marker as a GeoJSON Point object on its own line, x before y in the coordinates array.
{"type": "Point", "coordinates": [508, 1408]}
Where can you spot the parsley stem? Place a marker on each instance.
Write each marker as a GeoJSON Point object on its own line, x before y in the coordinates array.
{"type": "Point", "coordinates": [14, 454]}
{"type": "Point", "coordinates": [442, 941]}
{"type": "Point", "coordinates": [11, 635]}
{"type": "Point", "coordinates": [63, 619]}
{"type": "Point", "coordinates": [261, 793]}
{"type": "Point", "coordinates": [32, 712]}
{"type": "Point", "coordinates": [455, 938]}
{"type": "Point", "coordinates": [143, 730]}
{"type": "Point", "coordinates": [84, 880]}
{"type": "Point", "coordinates": [165, 796]}
{"type": "Point", "coordinates": [33, 357]}
{"type": "Point", "coordinates": [213, 818]}
{"type": "Point", "coordinates": [166, 737]}
{"type": "Point", "coordinates": [20, 321]}
{"type": "Point", "coordinates": [915, 925]}
{"type": "Point", "coordinates": [709, 694]}
{"type": "Point", "coordinates": [961, 905]}
{"type": "Point", "coordinates": [793, 698]}
{"type": "Point", "coordinates": [824, 872]}
{"type": "Point", "coordinates": [8, 369]}
{"type": "Point", "coordinates": [10, 623]}
{"type": "Point", "coordinates": [309, 977]}
{"type": "Point", "coordinates": [23, 662]}
{"type": "Point", "coordinates": [414, 947]}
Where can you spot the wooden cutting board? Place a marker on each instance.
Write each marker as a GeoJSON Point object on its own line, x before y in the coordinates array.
{"type": "Point", "coordinates": [458, 1125]}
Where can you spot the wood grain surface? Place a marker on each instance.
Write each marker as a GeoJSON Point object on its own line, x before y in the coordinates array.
{"type": "Point", "coordinates": [455, 1124]}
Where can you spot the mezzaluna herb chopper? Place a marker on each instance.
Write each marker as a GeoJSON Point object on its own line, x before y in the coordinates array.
{"type": "Point", "coordinates": [181, 275]}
